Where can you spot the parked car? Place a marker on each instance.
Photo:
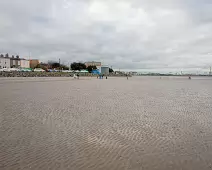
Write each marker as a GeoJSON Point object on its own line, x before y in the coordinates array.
{"type": "Point", "coordinates": [39, 70]}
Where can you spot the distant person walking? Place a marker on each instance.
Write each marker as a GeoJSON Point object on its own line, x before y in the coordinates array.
{"type": "Point", "coordinates": [127, 76]}
{"type": "Point", "coordinates": [77, 76]}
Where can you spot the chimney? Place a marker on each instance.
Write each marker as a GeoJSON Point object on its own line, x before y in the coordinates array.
{"type": "Point", "coordinates": [7, 55]}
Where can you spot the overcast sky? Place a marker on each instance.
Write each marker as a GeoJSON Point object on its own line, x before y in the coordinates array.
{"type": "Point", "coordinates": [125, 34]}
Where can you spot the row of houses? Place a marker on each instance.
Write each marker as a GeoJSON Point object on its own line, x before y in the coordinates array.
{"type": "Point", "coordinates": [7, 62]}
{"type": "Point", "coordinates": [16, 62]}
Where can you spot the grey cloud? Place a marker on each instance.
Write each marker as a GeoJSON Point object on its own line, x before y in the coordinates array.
{"type": "Point", "coordinates": [145, 34]}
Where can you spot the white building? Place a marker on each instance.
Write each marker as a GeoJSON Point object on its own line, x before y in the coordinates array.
{"type": "Point", "coordinates": [93, 63]}
{"type": "Point", "coordinates": [104, 70]}
{"type": "Point", "coordinates": [4, 62]}
{"type": "Point", "coordinates": [25, 63]}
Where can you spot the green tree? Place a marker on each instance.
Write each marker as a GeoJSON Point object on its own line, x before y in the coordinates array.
{"type": "Point", "coordinates": [90, 68]}
{"type": "Point", "coordinates": [42, 66]}
{"type": "Point", "coordinates": [78, 66]}
{"type": "Point", "coordinates": [111, 70]}
{"type": "Point", "coordinates": [63, 67]}
{"type": "Point", "coordinates": [55, 65]}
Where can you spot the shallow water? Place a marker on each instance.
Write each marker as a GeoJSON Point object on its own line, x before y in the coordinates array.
{"type": "Point", "coordinates": [141, 123]}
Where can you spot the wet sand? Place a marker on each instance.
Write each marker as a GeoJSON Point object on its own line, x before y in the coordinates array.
{"type": "Point", "coordinates": [144, 123]}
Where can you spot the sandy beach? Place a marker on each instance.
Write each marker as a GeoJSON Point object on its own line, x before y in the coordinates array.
{"type": "Point", "coordinates": [144, 123]}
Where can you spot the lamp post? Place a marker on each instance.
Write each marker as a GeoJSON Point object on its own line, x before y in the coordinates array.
{"type": "Point", "coordinates": [59, 65]}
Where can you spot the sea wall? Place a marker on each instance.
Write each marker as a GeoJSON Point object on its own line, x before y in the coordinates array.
{"type": "Point", "coordinates": [46, 74]}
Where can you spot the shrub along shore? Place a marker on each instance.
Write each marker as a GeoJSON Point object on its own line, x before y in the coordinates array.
{"type": "Point", "coordinates": [47, 74]}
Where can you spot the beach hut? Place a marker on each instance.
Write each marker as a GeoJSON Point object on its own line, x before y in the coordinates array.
{"type": "Point", "coordinates": [95, 72]}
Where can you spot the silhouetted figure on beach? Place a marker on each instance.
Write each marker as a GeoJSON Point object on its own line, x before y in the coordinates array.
{"type": "Point", "coordinates": [189, 77]}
